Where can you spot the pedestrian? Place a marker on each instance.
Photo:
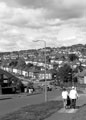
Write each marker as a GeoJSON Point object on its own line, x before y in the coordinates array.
{"type": "Point", "coordinates": [73, 96]}
{"type": "Point", "coordinates": [68, 102]}
{"type": "Point", "coordinates": [64, 97]}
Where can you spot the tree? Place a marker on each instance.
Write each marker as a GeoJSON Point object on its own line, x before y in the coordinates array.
{"type": "Point", "coordinates": [83, 51]}
{"type": "Point", "coordinates": [65, 74]}
{"type": "Point", "coordinates": [20, 86]}
{"type": "Point", "coordinates": [79, 68]}
{"type": "Point", "coordinates": [29, 65]}
{"type": "Point", "coordinates": [73, 57]}
{"type": "Point", "coordinates": [4, 62]}
{"type": "Point", "coordinates": [54, 74]}
{"type": "Point", "coordinates": [48, 59]}
{"type": "Point", "coordinates": [13, 63]}
{"type": "Point", "coordinates": [63, 57]}
{"type": "Point", "coordinates": [21, 63]}
{"type": "Point", "coordinates": [55, 66]}
{"type": "Point", "coordinates": [30, 85]}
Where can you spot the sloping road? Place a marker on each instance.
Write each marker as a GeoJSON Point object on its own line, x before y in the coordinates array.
{"type": "Point", "coordinates": [10, 105]}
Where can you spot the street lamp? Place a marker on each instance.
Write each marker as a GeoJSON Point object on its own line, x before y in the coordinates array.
{"type": "Point", "coordinates": [45, 66]}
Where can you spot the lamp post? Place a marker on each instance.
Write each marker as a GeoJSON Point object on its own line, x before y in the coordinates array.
{"type": "Point", "coordinates": [72, 74]}
{"type": "Point", "coordinates": [45, 67]}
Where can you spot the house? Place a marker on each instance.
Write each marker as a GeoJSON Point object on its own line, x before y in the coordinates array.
{"type": "Point", "coordinates": [19, 71]}
{"type": "Point", "coordinates": [33, 73]}
{"type": "Point", "coordinates": [50, 66]}
{"type": "Point", "coordinates": [28, 61]}
{"type": "Point", "coordinates": [25, 72]}
{"type": "Point", "coordinates": [41, 75]}
{"type": "Point", "coordinates": [41, 64]}
{"type": "Point", "coordinates": [81, 77]}
{"type": "Point", "coordinates": [52, 60]}
{"type": "Point", "coordinates": [74, 64]}
{"type": "Point", "coordinates": [10, 69]}
{"type": "Point", "coordinates": [4, 68]}
{"type": "Point", "coordinates": [14, 56]}
{"type": "Point", "coordinates": [35, 63]}
{"type": "Point", "coordinates": [7, 69]}
{"type": "Point", "coordinates": [15, 70]}
{"type": "Point", "coordinates": [6, 57]}
{"type": "Point", "coordinates": [7, 82]}
{"type": "Point", "coordinates": [28, 72]}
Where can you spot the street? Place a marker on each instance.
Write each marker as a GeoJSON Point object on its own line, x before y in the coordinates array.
{"type": "Point", "coordinates": [10, 105]}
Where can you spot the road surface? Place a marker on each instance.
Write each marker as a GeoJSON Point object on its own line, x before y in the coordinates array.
{"type": "Point", "coordinates": [10, 105]}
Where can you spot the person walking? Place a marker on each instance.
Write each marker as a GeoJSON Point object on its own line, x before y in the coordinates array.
{"type": "Point", "coordinates": [64, 97]}
{"type": "Point", "coordinates": [73, 96]}
{"type": "Point", "coordinates": [68, 102]}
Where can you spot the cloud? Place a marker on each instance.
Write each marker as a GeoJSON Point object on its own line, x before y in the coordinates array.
{"type": "Point", "coordinates": [63, 9]}
{"type": "Point", "coordinates": [58, 22]}
{"type": "Point", "coordinates": [48, 3]}
{"type": "Point", "coordinates": [20, 16]}
{"type": "Point", "coordinates": [11, 3]}
{"type": "Point", "coordinates": [5, 11]}
{"type": "Point", "coordinates": [72, 3]}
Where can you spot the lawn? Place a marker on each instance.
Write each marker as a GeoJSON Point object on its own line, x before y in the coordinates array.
{"type": "Point", "coordinates": [35, 112]}
{"type": "Point", "coordinates": [81, 114]}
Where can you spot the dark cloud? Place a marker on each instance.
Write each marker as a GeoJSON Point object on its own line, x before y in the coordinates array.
{"type": "Point", "coordinates": [58, 10]}
{"type": "Point", "coordinates": [62, 9]}
{"type": "Point", "coordinates": [64, 13]}
{"type": "Point", "coordinates": [11, 3]}
{"type": "Point", "coordinates": [35, 3]}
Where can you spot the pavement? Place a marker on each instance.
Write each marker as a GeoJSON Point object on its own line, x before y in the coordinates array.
{"type": "Point", "coordinates": [12, 96]}
{"type": "Point", "coordinates": [63, 110]}
{"type": "Point", "coordinates": [67, 114]}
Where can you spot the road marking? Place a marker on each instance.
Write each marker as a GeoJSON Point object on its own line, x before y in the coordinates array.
{"type": "Point", "coordinates": [63, 110]}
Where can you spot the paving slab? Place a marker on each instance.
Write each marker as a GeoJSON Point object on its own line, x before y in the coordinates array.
{"type": "Point", "coordinates": [63, 110]}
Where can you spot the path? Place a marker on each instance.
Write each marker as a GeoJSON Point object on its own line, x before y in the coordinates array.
{"type": "Point", "coordinates": [64, 114]}
{"type": "Point", "coordinates": [63, 110]}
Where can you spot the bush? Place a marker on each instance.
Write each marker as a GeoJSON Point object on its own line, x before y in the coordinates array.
{"type": "Point", "coordinates": [30, 85]}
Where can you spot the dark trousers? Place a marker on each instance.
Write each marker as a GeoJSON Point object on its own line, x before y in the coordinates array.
{"type": "Point", "coordinates": [73, 103]}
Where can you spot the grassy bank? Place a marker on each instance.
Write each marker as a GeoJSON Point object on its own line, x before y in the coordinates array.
{"type": "Point", "coordinates": [35, 112]}
{"type": "Point", "coordinates": [81, 114]}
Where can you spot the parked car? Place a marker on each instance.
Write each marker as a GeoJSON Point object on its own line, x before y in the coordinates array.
{"type": "Point", "coordinates": [49, 88]}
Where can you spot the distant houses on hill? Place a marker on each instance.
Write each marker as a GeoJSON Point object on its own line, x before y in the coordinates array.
{"type": "Point", "coordinates": [55, 58]}
{"type": "Point", "coordinates": [30, 73]}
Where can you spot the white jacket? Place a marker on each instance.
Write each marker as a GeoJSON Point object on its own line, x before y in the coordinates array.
{"type": "Point", "coordinates": [73, 94]}
{"type": "Point", "coordinates": [64, 94]}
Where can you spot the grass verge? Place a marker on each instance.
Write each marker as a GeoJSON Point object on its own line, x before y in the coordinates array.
{"type": "Point", "coordinates": [81, 114]}
{"type": "Point", "coordinates": [35, 112]}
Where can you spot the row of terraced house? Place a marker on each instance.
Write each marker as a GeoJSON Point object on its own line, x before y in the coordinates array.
{"type": "Point", "coordinates": [29, 73]}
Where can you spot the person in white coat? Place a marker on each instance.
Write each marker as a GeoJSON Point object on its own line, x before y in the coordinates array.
{"type": "Point", "coordinates": [64, 97]}
{"type": "Point", "coordinates": [73, 96]}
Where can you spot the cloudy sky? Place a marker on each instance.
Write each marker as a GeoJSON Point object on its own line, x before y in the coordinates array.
{"type": "Point", "coordinates": [58, 22]}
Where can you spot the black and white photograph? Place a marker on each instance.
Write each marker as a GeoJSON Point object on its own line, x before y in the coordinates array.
{"type": "Point", "coordinates": [42, 59]}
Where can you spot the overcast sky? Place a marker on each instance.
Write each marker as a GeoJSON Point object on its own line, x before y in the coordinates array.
{"type": "Point", "coordinates": [58, 22]}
